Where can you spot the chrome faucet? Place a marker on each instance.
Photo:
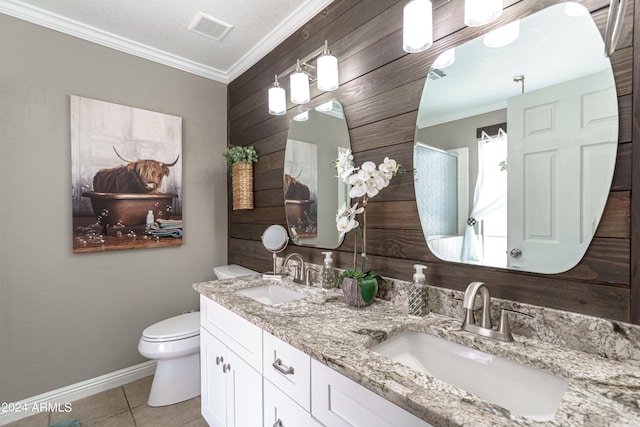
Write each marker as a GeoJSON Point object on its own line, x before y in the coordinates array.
{"type": "Point", "coordinates": [503, 332]}
{"type": "Point", "coordinates": [298, 277]}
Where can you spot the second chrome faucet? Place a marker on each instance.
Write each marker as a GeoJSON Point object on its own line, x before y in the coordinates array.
{"type": "Point", "coordinates": [484, 328]}
{"type": "Point", "coordinates": [299, 274]}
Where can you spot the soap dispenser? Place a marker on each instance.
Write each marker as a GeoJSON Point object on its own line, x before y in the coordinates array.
{"type": "Point", "coordinates": [328, 272]}
{"type": "Point", "coordinates": [418, 293]}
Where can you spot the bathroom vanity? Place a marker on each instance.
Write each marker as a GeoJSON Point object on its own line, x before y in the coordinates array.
{"type": "Point", "coordinates": [309, 359]}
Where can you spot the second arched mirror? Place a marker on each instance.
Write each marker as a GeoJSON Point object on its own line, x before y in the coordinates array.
{"type": "Point", "coordinates": [516, 144]}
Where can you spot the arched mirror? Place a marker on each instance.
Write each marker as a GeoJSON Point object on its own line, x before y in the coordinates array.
{"type": "Point", "coordinates": [312, 193]}
{"type": "Point", "coordinates": [516, 144]}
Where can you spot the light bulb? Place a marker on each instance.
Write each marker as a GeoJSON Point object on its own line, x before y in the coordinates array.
{"type": "Point", "coordinates": [277, 99]}
{"type": "Point", "coordinates": [481, 12]}
{"type": "Point", "coordinates": [446, 59]}
{"type": "Point", "coordinates": [327, 70]}
{"type": "Point", "coordinates": [502, 36]}
{"type": "Point", "coordinates": [299, 86]}
{"type": "Point", "coordinates": [417, 26]}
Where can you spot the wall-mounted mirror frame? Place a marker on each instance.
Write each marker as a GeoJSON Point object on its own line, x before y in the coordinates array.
{"type": "Point", "coordinates": [312, 193]}
{"type": "Point", "coordinates": [542, 113]}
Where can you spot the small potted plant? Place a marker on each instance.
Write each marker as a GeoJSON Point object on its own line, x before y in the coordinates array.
{"type": "Point", "coordinates": [359, 288]}
{"type": "Point", "coordinates": [240, 162]}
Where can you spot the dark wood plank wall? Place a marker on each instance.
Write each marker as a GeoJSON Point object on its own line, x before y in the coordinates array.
{"type": "Point", "coordinates": [380, 89]}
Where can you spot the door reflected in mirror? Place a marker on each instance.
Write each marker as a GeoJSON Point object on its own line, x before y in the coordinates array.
{"type": "Point", "coordinates": [312, 194]}
{"type": "Point", "coordinates": [516, 145]}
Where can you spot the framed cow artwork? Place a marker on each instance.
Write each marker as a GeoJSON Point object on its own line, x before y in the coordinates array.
{"type": "Point", "coordinates": [126, 172]}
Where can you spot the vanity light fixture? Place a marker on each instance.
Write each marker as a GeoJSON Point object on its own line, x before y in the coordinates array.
{"type": "Point", "coordinates": [502, 36]}
{"type": "Point", "coordinates": [481, 12]}
{"type": "Point", "coordinates": [277, 99]}
{"type": "Point", "coordinates": [299, 81]}
{"type": "Point", "coordinates": [300, 75]}
{"type": "Point", "coordinates": [327, 70]}
{"type": "Point", "coordinates": [417, 26]}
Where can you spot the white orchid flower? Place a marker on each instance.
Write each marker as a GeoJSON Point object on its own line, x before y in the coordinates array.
{"type": "Point", "coordinates": [388, 169]}
{"type": "Point", "coordinates": [345, 225]}
{"type": "Point", "coordinates": [358, 187]}
{"type": "Point", "coordinates": [344, 165]}
{"type": "Point", "coordinates": [355, 210]}
{"type": "Point", "coordinates": [367, 180]}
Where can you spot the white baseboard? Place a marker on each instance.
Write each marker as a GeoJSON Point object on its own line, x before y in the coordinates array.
{"type": "Point", "coordinates": [58, 398]}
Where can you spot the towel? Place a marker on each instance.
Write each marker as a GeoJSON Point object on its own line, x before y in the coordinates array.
{"type": "Point", "coordinates": [169, 223]}
{"type": "Point", "coordinates": [71, 422]}
{"type": "Point", "coordinates": [174, 232]}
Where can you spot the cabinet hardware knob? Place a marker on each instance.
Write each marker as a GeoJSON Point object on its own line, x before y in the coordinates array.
{"type": "Point", "coordinates": [219, 360]}
{"type": "Point", "coordinates": [226, 368]}
{"type": "Point", "coordinates": [278, 365]}
{"type": "Point", "coordinates": [278, 423]}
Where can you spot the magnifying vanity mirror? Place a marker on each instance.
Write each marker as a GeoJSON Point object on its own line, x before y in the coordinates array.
{"type": "Point", "coordinates": [275, 240]}
{"type": "Point", "coordinates": [312, 193]}
{"type": "Point", "coordinates": [516, 144]}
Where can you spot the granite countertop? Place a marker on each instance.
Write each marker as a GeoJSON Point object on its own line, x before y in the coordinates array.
{"type": "Point", "coordinates": [600, 392]}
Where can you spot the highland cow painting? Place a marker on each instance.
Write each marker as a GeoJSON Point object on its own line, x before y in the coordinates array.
{"type": "Point", "coordinates": [126, 173]}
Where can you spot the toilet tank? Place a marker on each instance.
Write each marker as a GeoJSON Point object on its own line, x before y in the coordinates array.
{"type": "Point", "coordinates": [231, 271]}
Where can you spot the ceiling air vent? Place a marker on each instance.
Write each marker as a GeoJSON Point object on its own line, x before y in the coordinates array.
{"type": "Point", "coordinates": [208, 26]}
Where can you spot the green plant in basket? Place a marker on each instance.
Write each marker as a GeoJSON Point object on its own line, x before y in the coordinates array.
{"type": "Point", "coordinates": [237, 154]}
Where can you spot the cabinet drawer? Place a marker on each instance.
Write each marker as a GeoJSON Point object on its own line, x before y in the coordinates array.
{"type": "Point", "coordinates": [341, 402]}
{"type": "Point", "coordinates": [241, 336]}
{"type": "Point", "coordinates": [288, 369]}
{"type": "Point", "coordinates": [281, 411]}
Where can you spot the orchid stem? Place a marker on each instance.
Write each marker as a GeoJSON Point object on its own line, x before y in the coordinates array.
{"type": "Point", "coordinates": [364, 231]}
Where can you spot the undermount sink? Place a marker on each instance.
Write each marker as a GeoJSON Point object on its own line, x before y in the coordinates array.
{"type": "Point", "coordinates": [271, 294]}
{"type": "Point", "coordinates": [525, 391]}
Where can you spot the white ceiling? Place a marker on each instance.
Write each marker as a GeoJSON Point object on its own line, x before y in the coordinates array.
{"type": "Point", "coordinates": [158, 29]}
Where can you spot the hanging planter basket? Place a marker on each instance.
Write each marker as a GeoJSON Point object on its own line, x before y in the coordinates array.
{"type": "Point", "coordinates": [242, 185]}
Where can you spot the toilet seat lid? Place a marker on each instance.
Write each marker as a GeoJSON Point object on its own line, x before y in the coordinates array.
{"type": "Point", "coordinates": [179, 327]}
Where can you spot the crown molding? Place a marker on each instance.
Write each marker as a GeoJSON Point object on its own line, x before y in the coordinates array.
{"type": "Point", "coordinates": [47, 19]}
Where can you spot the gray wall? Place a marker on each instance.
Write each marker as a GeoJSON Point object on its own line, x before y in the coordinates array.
{"type": "Point", "coordinates": [66, 318]}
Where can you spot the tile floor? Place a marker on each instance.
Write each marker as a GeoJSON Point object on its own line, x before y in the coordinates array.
{"type": "Point", "coordinates": [124, 406]}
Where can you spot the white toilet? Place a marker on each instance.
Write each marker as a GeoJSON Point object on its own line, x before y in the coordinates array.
{"type": "Point", "coordinates": [175, 344]}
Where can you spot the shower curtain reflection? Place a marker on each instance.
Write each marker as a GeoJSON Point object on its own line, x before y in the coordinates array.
{"type": "Point", "coordinates": [489, 197]}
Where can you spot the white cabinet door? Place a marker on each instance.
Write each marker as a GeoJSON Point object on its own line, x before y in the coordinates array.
{"type": "Point", "coordinates": [337, 401]}
{"type": "Point", "coordinates": [244, 388]}
{"type": "Point", "coordinates": [214, 381]}
{"type": "Point", "coordinates": [281, 411]}
{"type": "Point", "coordinates": [231, 392]}
{"type": "Point", "coordinates": [231, 388]}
